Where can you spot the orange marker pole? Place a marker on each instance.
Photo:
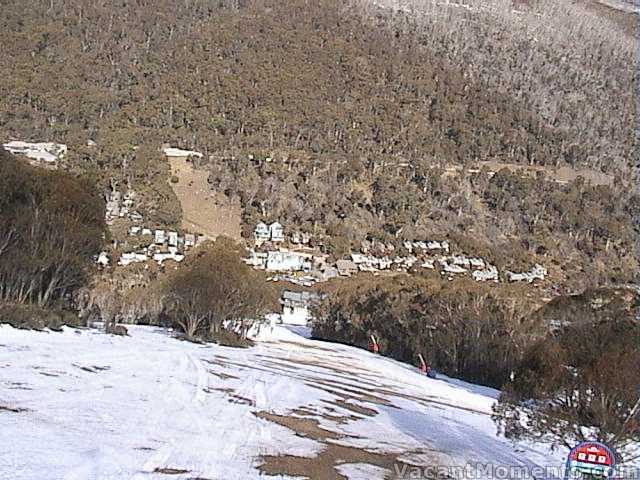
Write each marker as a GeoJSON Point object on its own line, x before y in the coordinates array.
{"type": "Point", "coordinates": [373, 346]}
{"type": "Point", "coordinates": [423, 364]}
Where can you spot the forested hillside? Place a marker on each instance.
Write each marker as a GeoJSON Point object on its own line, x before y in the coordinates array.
{"type": "Point", "coordinates": [341, 118]}
{"type": "Point", "coordinates": [499, 132]}
{"type": "Point", "coordinates": [51, 226]}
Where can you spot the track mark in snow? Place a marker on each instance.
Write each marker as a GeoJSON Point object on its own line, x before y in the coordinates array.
{"type": "Point", "coordinates": [202, 379]}
{"type": "Point", "coordinates": [159, 458]}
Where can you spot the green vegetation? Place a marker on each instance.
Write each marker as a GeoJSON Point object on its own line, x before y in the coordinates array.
{"type": "Point", "coordinates": [51, 227]}
{"type": "Point", "coordinates": [359, 108]}
{"type": "Point", "coordinates": [587, 372]}
{"type": "Point", "coordinates": [214, 293]}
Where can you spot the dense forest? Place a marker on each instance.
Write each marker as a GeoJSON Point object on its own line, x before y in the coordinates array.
{"type": "Point", "coordinates": [585, 372]}
{"type": "Point", "coordinates": [471, 331]}
{"type": "Point", "coordinates": [51, 226]}
{"type": "Point", "coordinates": [341, 119]}
{"type": "Point", "coordinates": [464, 329]}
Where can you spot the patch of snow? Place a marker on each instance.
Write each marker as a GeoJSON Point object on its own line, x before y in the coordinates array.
{"type": "Point", "coordinates": [46, 152]}
{"type": "Point", "coordinates": [361, 471]}
{"type": "Point", "coordinates": [178, 152]}
{"type": "Point", "coordinates": [98, 406]}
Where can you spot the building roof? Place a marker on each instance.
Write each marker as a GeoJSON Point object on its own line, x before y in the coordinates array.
{"type": "Point", "coordinates": [299, 296]}
{"type": "Point", "coordinates": [177, 152]}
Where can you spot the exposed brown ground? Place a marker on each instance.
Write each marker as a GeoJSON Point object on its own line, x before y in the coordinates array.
{"type": "Point", "coordinates": [305, 427]}
{"type": "Point", "coordinates": [202, 211]}
{"type": "Point", "coordinates": [323, 466]}
{"type": "Point", "coordinates": [356, 398]}
{"type": "Point", "coordinates": [355, 408]}
{"type": "Point", "coordinates": [560, 175]}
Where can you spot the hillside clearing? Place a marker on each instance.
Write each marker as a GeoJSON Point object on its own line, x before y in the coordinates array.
{"type": "Point", "coordinates": [202, 211]}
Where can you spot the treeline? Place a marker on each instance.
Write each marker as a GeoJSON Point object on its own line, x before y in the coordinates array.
{"type": "Point", "coordinates": [476, 332]}
{"type": "Point", "coordinates": [51, 227]}
{"type": "Point", "coordinates": [464, 329]}
{"type": "Point", "coordinates": [585, 373]}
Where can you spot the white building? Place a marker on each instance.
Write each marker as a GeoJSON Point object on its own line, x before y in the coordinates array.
{"type": "Point", "coordinates": [132, 257]}
{"type": "Point", "coordinates": [179, 153]}
{"type": "Point", "coordinates": [276, 232]}
{"type": "Point", "coordinates": [538, 272]}
{"type": "Point", "coordinates": [287, 262]}
{"type": "Point", "coordinates": [159, 237]}
{"type": "Point", "coordinates": [488, 275]}
{"type": "Point", "coordinates": [454, 269]}
{"type": "Point", "coordinates": [261, 233]}
{"type": "Point", "coordinates": [172, 254]}
{"type": "Point", "coordinates": [296, 307]}
{"type": "Point", "coordinates": [189, 240]}
{"type": "Point", "coordinates": [43, 152]}
{"type": "Point", "coordinates": [346, 268]}
{"type": "Point", "coordinates": [173, 239]}
{"type": "Point", "coordinates": [103, 259]}
{"type": "Point", "coordinates": [256, 259]}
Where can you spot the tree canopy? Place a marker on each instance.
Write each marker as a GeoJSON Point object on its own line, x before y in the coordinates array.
{"type": "Point", "coordinates": [51, 227]}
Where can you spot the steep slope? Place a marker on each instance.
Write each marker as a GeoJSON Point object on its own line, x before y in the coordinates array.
{"type": "Point", "coordinates": [84, 405]}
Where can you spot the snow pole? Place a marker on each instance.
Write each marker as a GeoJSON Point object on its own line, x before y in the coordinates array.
{"type": "Point", "coordinates": [423, 364]}
{"type": "Point", "coordinates": [373, 346]}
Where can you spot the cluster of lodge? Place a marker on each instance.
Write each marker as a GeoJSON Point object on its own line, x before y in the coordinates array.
{"type": "Point", "coordinates": [306, 266]}
{"type": "Point", "coordinates": [163, 245]}
{"type": "Point", "coordinates": [120, 205]}
{"type": "Point", "coordinates": [264, 233]}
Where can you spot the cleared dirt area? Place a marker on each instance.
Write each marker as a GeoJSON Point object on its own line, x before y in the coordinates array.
{"type": "Point", "coordinates": [203, 211]}
{"type": "Point", "coordinates": [325, 465]}
{"type": "Point", "coordinates": [560, 175]}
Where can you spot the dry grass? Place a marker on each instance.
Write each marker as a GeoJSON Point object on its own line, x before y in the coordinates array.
{"type": "Point", "coordinates": [202, 211]}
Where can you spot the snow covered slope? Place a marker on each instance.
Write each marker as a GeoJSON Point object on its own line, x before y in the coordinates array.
{"type": "Point", "coordinates": [82, 405]}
